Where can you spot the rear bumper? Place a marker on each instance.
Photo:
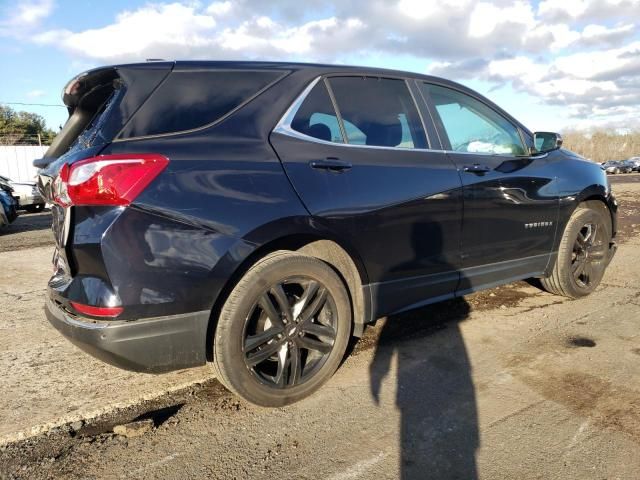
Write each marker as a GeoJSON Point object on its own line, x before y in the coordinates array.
{"type": "Point", "coordinates": [152, 345]}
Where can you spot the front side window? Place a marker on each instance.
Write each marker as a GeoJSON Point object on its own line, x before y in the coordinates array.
{"type": "Point", "coordinates": [316, 116]}
{"type": "Point", "coordinates": [473, 127]}
{"type": "Point", "coordinates": [378, 112]}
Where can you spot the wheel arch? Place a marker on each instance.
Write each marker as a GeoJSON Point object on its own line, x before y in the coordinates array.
{"type": "Point", "coordinates": [599, 193]}
{"type": "Point", "coordinates": [575, 196]}
{"type": "Point", "coordinates": [345, 262]}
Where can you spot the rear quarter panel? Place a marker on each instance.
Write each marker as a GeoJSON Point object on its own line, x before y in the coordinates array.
{"type": "Point", "coordinates": [196, 223]}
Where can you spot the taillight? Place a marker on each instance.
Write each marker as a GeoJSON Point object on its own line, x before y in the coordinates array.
{"type": "Point", "coordinates": [107, 179]}
{"type": "Point", "coordinates": [107, 312]}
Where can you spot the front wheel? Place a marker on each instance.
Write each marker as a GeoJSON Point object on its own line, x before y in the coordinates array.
{"type": "Point", "coordinates": [283, 330]}
{"type": "Point", "coordinates": [583, 254]}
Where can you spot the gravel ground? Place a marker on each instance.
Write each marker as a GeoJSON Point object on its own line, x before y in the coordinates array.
{"type": "Point", "coordinates": [507, 383]}
{"type": "Point", "coordinates": [30, 230]}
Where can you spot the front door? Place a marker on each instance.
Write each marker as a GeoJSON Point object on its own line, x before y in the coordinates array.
{"type": "Point", "coordinates": [357, 153]}
{"type": "Point", "coordinates": [510, 203]}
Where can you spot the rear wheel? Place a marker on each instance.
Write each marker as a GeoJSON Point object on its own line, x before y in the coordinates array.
{"type": "Point", "coordinates": [583, 252]}
{"type": "Point", "coordinates": [283, 330]}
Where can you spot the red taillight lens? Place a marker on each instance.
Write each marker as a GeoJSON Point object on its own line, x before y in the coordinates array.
{"type": "Point", "coordinates": [107, 179]}
{"type": "Point", "coordinates": [107, 312]}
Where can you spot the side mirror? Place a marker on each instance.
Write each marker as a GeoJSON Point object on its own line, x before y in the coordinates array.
{"type": "Point", "coordinates": [547, 141]}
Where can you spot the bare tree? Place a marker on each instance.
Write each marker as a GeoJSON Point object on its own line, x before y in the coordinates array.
{"type": "Point", "coordinates": [603, 145]}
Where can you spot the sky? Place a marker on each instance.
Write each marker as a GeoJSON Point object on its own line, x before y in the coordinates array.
{"type": "Point", "coordinates": [555, 65]}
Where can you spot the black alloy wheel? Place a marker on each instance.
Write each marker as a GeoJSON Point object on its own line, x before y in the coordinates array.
{"type": "Point", "coordinates": [584, 252]}
{"type": "Point", "coordinates": [589, 254]}
{"type": "Point", "coordinates": [290, 332]}
{"type": "Point", "coordinates": [283, 329]}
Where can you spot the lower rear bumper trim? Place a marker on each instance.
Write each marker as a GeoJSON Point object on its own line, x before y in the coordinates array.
{"type": "Point", "coordinates": [153, 345]}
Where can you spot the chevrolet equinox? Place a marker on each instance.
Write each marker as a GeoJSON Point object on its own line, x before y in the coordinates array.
{"type": "Point", "coordinates": [258, 215]}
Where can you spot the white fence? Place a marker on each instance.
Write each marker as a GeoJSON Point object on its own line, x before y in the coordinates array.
{"type": "Point", "coordinates": [16, 162]}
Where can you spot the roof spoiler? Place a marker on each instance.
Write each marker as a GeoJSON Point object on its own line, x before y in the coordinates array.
{"type": "Point", "coordinates": [43, 162]}
{"type": "Point", "coordinates": [81, 110]}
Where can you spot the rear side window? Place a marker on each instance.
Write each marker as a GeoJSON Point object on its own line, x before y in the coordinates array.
{"type": "Point", "coordinates": [193, 99]}
{"type": "Point", "coordinates": [378, 112]}
{"type": "Point", "coordinates": [473, 127]}
{"type": "Point", "coordinates": [316, 116]}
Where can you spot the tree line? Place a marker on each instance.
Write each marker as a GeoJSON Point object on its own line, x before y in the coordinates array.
{"type": "Point", "coordinates": [23, 128]}
{"type": "Point", "coordinates": [603, 145]}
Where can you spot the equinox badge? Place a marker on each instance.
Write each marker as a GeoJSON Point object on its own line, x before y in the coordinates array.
{"type": "Point", "coordinates": [538, 224]}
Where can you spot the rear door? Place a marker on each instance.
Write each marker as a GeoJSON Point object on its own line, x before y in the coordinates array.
{"type": "Point", "coordinates": [357, 153]}
{"type": "Point", "coordinates": [510, 203]}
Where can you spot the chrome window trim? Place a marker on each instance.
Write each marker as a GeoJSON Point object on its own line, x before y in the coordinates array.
{"type": "Point", "coordinates": [284, 127]}
{"type": "Point", "coordinates": [290, 114]}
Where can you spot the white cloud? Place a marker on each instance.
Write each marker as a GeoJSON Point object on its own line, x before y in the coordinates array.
{"type": "Point", "coordinates": [36, 93]}
{"type": "Point", "coordinates": [21, 17]}
{"type": "Point", "coordinates": [180, 30]}
{"type": "Point", "coordinates": [150, 30]}
{"type": "Point", "coordinates": [517, 67]}
{"type": "Point", "coordinates": [581, 54]}
{"type": "Point", "coordinates": [590, 65]}
{"type": "Point", "coordinates": [219, 8]}
{"type": "Point", "coordinates": [486, 18]}
{"type": "Point", "coordinates": [565, 10]}
{"type": "Point", "coordinates": [599, 34]}
{"type": "Point", "coordinates": [591, 85]}
{"type": "Point", "coordinates": [31, 13]}
{"type": "Point", "coordinates": [421, 10]}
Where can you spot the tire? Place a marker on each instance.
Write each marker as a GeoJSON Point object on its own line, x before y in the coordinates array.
{"type": "Point", "coordinates": [583, 254]}
{"type": "Point", "coordinates": [256, 356]}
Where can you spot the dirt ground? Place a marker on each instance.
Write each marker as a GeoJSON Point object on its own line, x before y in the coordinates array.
{"type": "Point", "coordinates": [508, 383]}
{"type": "Point", "coordinates": [30, 230]}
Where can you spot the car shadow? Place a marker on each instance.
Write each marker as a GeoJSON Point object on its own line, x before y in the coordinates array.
{"type": "Point", "coordinates": [435, 394]}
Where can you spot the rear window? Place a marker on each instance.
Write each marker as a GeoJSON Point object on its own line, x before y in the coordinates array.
{"type": "Point", "coordinates": [193, 99]}
{"type": "Point", "coordinates": [95, 132]}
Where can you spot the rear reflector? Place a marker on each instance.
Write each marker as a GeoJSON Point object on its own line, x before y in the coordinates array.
{"type": "Point", "coordinates": [107, 179]}
{"type": "Point", "coordinates": [109, 312]}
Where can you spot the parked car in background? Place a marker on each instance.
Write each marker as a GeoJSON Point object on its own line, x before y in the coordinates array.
{"type": "Point", "coordinates": [8, 208]}
{"type": "Point", "coordinates": [28, 195]}
{"type": "Point", "coordinates": [614, 167]}
{"type": "Point", "coordinates": [634, 163]}
{"type": "Point", "coordinates": [626, 167]}
{"type": "Point", "coordinates": [257, 215]}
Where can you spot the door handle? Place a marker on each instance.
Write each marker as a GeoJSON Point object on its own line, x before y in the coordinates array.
{"type": "Point", "coordinates": [331, 164]}
{"type": "Point", "coordinates": [477, 169]}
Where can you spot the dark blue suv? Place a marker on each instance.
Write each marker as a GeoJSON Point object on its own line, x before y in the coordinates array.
{"type": "Point", "coordinates": [257, 215]}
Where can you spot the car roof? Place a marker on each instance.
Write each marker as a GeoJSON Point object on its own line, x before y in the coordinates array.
{"type": "Point", "coordinates": [321, 68]}
{"type": "Point", "coordinates": [314, 69]}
